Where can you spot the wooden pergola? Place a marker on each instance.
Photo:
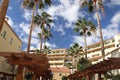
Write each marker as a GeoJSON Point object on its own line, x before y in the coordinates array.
{"type": "Point", "coordinates": [99, 68]}
{"type": "Point", "coordinates": [37, 64]}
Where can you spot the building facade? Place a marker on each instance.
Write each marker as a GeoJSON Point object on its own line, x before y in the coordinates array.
{"type": "Point", "coordinates": [9, 42]}
{"type": "Point", "coordinates": [57, 60]}
{"type": "Point", "coordinates": [57, 57]}
{"type": "Point", "coordinates": [94, 50]}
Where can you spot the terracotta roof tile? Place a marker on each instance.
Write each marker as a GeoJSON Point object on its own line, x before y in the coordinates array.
{"type": "Point", "coordinates": [58, 69]}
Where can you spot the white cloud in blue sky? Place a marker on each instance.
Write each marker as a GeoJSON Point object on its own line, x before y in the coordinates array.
{"type": "Point", "coordinates": [64, 14]}
{"type": "Point", "coordinates": [115, 2]}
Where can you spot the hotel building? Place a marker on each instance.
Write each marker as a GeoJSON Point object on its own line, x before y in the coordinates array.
{"type": "Point", "coordinates": [94, 50]}
{"type": "Point", "coordinates": [58, 57]}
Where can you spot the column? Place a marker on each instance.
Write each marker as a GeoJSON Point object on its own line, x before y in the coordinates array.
{"type": "Point", "coordinates": [99, 76]}
{"type": "Point", "coordinates": [3, 10]}
{"type": "Point", "coordinates": [20, 73]}
{"type": "Point", "coordinates": [34, 76]}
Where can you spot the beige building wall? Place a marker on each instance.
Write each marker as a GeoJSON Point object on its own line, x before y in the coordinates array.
{"type": "Point", "coordinates": [94, 50]}
{"type": "Point", "coordinates": [57, 57]}
{"type": "Point", "coordinates": [9, 42]}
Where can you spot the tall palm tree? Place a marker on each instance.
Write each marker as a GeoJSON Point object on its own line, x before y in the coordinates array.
{"type": "Point", "coordinates": [84, 28]}
{"type": "Point", "coordinates": [47, 35]}
{"type": "Point", "coordinates": [32, 4]}
{"type": "Point", "coordinates": [3, 11]}
{"type": "Point", "coordinates": [74, 51]}
{"type": "Point", "coordinates": [93, 5]}
{"type": "Point", "coordinates": [43, 21]}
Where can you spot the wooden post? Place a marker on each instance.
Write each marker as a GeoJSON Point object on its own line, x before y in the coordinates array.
{"type": "Point", "coordinates": [34, 76]}
{"type": "Point", "coordinates": [88, 77]}
{"type": "Point", "coordinates": [3, 9]}
{"type": "Point", "coordinates": [20, 73]}
{"type": "Point", "coordinates": [99, 76]}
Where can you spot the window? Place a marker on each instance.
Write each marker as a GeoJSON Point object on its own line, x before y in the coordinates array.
{"type": "Point", "coordinates": [19, 48]}
{"type": "Point", "coordinates": [11, 41]}
{"type": "Point", "coordinates": [60, 74]}
{"type": "Point", "coordinates": [4, 34]}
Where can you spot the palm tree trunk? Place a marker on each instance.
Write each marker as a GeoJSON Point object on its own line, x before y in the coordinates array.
{"type": "Point", "coordinates": [41, 36]}
{"type": "Point", "coordinates": [101, 36]}
{"type": "Point", "coordinates": [41, 43]}
{"type": "Point", "coordinates": [44, 42]}
{"type": "Point", "coordinates": [85, 45]}
{"type": "Point", "coordinates": [3, 10]}
{"type": "Point", "coordinates": [73, 64]}
{"type": "Point", "coordinates": [31, 27]}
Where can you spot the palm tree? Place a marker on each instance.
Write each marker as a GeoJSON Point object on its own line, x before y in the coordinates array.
{"type": "Point", "coordinates": [84, 28]}
{"type": "Point", "coordinates": [3, 11]}
{"type": "Point", "coordinates": [43, 21]}
{"type": "Point", "coordinates": [74, 51]}
{"type": "Point", "coordinates": [92, 5]}
{"type": "Point", "coordinates": [47, 34]}
{"type": "Point", "coordinates": [32, 4]}
{"type": "Point", "coordinates": [47, 50]}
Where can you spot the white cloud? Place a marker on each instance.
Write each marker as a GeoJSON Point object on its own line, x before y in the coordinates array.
{"type": "Point", "coordinates": [113, 28]}
{"type": "Point", "coordinates": [51, 46]}
{"type": "Point", "coordinates": [95, 16]}
{"type": "Point", "coordinates": [34, 41]}
{"type": "Point", "coordinates": [68, 9]}
{"type": "Point", "coordinates": [115, 2]}
{"type": "Point", "coordinates": [59, 29]}
{"type": "Point", "coordinates": [108, 32]}
{"type": "Point", "coordinates": [89, 40]}
{"type": "Point", "coordinates": [10, 8]}
{"type": "Point", "coordinates": [25, 27]}
{"type": "Point", "coordinates": [27, 15]}
{"type": "Point", "coordinates": [10, 21]}
{"type": "Point", "coordinates": [116, 18]}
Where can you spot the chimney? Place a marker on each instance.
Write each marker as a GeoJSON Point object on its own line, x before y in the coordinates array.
{"type": "Point", "coordinates": [3, 10]}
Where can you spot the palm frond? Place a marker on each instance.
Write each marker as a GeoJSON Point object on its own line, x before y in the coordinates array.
{"type": "Point", "coordinates": [81, 33]}
{"type": "Point", "coordinates": [39, 35]}
{"type": "Point", "coordinates": [50, 20]}
{"type": "Point", "coordinates": [25, 3]}
{"type": "Point", "coordinates": [28, 4]}
{"type": "Point", "coordinates": [76, 29]}
{"type": "Point", "coordinates": [101, 7]}
{"type": "Point", "coordinates": [90, 6]}
{"type": "Point", "coordinates": [41, 4]}
{"type": "Point", "coordinates": [48, 2]}
{"type": "Point", "coordinates": [37, 20]}
{"type": "Point", "coordinates": [89, 33]}
{"type": "Point", "coordinates": [84, 4]}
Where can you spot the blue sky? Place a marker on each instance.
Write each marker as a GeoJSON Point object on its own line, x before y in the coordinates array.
{"type": "Point", "coordinates": [65, 13]}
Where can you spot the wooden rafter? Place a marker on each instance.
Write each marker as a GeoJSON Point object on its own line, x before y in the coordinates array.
{"type": "Point", "coordinates": [101, 67]}
{"type": "Point", "coordinates": [37, 63]}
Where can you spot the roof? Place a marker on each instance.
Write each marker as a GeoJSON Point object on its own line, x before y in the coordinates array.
{"type": "Point", "coordinates": [60, 69]}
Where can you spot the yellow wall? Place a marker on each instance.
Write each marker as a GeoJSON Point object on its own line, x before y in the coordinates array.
{"type": "Point", "coordinates": [5, 46]}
